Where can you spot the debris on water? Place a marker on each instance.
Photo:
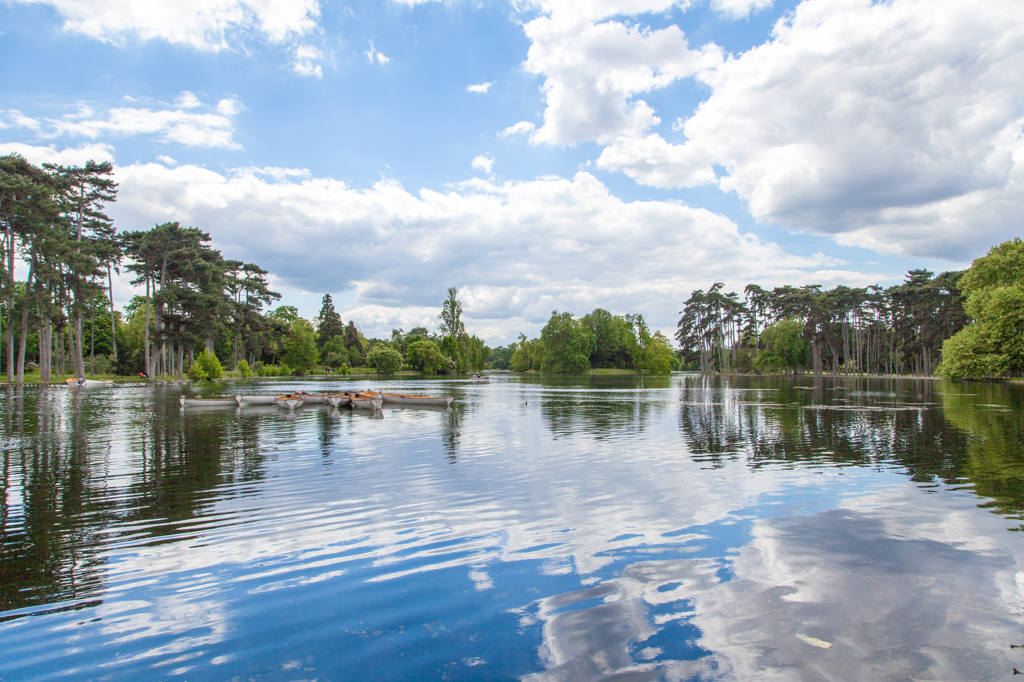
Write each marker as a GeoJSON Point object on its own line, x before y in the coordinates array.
{"type": "Point", "coordinates": [814, 641]}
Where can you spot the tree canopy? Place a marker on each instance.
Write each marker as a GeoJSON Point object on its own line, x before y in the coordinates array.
{"type": "Point", "coordinates": [993, 343]}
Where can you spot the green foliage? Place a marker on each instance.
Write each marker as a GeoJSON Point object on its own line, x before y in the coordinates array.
{"type": "Point", "coordinates": [970, 354]}
{"type": "Point", "coordinates": [384, 358]}
{"type": "Point", "coordinates": [206, 368]}
{"type": "Point", "coordinates": [450, 349]}
{"type": "Point", "coordinates": [473, 352]}
{"type": "Point", "coordinates": [994, 343]}
{"type": "Point", "coordinates": [285, 313]}
{"type": "Point", "coordinates": [329, 324]}
{"type": "Point", "coordinates": [450, 319]}
{"type": "Point", "coordinates": [334, 353]}
{"type": "Point", "coordinates": [659, 357]}
{"type": "Point", "coordinates": [299, 347]}
{"type": "Point", "coordinates": [501, 357]}
{"type": "Point", "coordinates": [425, 356]}
{"type": "Point", "coordinates": [528, 355]}
{"type": "Point", "coordinates": [568, 344]}
{"type": "Point", "coordinates": [638, 340]}
{"type": "Point", "coordinates": [264, 370]}
{"type": "Point", "coordinates": [244, 369]}
{"type": "Point", "coordinates": [784, 347]}
{"type": "Point", "coordinates": [612, 339]}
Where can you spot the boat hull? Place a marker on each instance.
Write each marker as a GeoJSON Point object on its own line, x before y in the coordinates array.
{"type": "Point", "coordinates": [207, 402]}
{"type": "Point", "coordinates": [256, 399]}
{"type": "Point", "coordinates": [414, 400]}
{"type": "Point", "coordinates": [289, 401]}
{"type": "Point", "coordinates": [367, 400]}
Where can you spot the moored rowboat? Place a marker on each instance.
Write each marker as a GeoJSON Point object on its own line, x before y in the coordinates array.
{"type": "Point", "coordinates": [289, 401]}
{"type": "Point", "coordinates": [368, 400]}
{"type": "Point", "coordinates": [411, 400]}
{"type": "Point", "coordinates": [256, 399]}
{"type": "Point", "coordinates": [311, 398]}
{"type": "Point", "coordinates": [339, 399]}
{"type": "Point", "coordinates": [207, 402]}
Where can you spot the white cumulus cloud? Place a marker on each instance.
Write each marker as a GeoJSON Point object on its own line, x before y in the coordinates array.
{"type": "Point", "coordinates": [305, 61]}
{"type": "Point", "coordinates": [520, 128]}
{"type": "Point", "coordinates": [372, 55]}
{"type": "Point", "coordinates": [516, 250]}
{"type": "Point", "coordinates": [201, 24]}
{"type": "Point", "coordinates": [188, 122]}
{"type": "Point", "coordinates": [483, 163]}
{"type": "Point", "coordinates": [68, 156]}
{"type": "Point", "coordinates": [895, 126]}
{"type": "Point", "coordinates": [479, 87]}
{"type": "Point", "coordinates": [738, 9]}
{"type": "Point", "coordinates": [592, 72]}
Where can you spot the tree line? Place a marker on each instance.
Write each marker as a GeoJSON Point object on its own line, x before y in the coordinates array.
{"type": "Point", "coordinates": [958, 324]}
{"type": "Point", "coordinates": [961, 324]}
{"type": "Point", "coordinates": [197, 305]}
{"type": "Point", "coordinates": [598, 340]}
{"type": "Point", "coordinates": [852, 330]}
{"type": "Point", "coordinates": [451, 351]}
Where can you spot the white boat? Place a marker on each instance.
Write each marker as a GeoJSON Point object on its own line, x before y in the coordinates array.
{"type": "Point", "coordinates": [207, 402]}
{"type": "Point", "coordinates": [311, 398]}
{"type": "Point", "coordinates": [368, 400]}
{"type": "Point", "coordinates": [339, 399]}
{"type": "Point", "coordinates": [411, 400]}
{"type": "Point", "coordinates": [289, 401]}
{"type": "Point", "coordinates": [256, 400]}
{"type": "Point", "coordinates": [75, 383]}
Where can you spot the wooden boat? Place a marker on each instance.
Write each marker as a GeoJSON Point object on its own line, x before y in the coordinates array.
{"type": "Point", "coordinates": [412, 400]}
{"type": "Point", "coordinates": [368, 400]}
{"type": "Point", "coordinates": [256, 400]}
{"type": "Point", "coordinates": [75, 383]}
{"type": "Point", "coordinates": [339, 399]}
{"type": "Point", "coordinates": [289, 401]}
{"type": "Point", "coordinates": [311, 398]}
{"type": "Point", "coordinates": [207, 402]}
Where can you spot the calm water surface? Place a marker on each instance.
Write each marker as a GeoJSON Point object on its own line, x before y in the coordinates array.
{"type": "Point", "coordinates": [677, 528]}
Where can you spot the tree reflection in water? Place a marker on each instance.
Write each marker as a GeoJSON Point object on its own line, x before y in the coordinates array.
{"type": "Point", "coordinates": [665, 528]}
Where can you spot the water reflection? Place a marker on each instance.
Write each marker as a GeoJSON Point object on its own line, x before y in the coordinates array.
{"type": "Point", "coordinates": [686, 528]}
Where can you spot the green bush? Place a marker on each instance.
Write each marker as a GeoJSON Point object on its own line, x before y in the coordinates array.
{"type": "Point", "coordinates": [206, 368]}
{"type": "Point", "coordinates": [425, 356]}
{"type": "Point", "coordinates": [244, 369]}
{"type": "Point", "coordinates": [272, 370]}
{"type": "Point", "coordinates": [384, 358]}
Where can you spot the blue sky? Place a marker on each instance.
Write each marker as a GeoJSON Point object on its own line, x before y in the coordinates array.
{"type": "Point", "coordinates": [536, 154]}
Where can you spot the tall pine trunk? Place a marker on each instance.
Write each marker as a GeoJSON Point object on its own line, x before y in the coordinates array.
{"type": "Point", "coordinates": [149, 371]}
{"type": "Point", "coordinates": [113, 327]}
{"type": "Point", "coordinates": [23, 339]}
{"type": "Point", "coordinates": [10, 304]}
{"type": "Point", "coordinates": [79, 354]}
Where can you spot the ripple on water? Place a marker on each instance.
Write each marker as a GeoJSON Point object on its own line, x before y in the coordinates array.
{"type": "Point", "coordinates": [688, 528]}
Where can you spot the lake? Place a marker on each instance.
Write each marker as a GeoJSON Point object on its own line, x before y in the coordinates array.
{"type": "Point", "coordinates": [545, 528]}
